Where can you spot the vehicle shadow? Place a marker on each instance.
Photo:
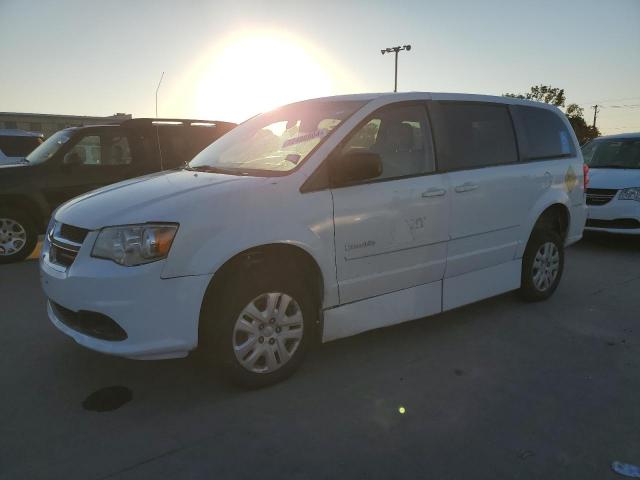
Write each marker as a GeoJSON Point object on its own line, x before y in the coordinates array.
{"type": "Point", "coordinates": [622, 243]}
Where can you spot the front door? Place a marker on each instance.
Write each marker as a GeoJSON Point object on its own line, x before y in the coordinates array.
{"type": "Point", "coordinates": [99, 157]}
{"type": "Point", "coordinates": [391, 232]}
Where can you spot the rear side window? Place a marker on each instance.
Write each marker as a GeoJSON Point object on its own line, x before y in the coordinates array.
{"type": "Point", "coordinates": [472, 135]}
{"type": "Point", "coordinates": [541, 133]}
{"type": "Point", "coordinates": [179, 144]}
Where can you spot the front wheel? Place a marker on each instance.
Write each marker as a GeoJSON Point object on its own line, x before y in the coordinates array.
{"type": "Point", "coordinates": [258, 330]}
{"type": "Point", "coordinates": [18, 235]}
{"type": "Point", "coordinates": [542, 265]}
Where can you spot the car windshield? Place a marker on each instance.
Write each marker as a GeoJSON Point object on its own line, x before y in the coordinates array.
{"type": "Point", "coordinates": [49, 147]}
{"type": "Point", "coordinates": [618, 153]}
{"type": "Point", "coordinates": [276, 142]}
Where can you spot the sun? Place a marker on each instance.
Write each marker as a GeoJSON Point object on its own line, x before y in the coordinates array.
{"type": "Point", "coordinates": [253, 72]}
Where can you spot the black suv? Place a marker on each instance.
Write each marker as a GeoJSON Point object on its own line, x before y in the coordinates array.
{"type": "Point", "coordinates": [74, 161]}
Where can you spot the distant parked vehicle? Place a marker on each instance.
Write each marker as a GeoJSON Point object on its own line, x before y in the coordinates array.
{"type": "Point", "coordinates": [16, 144]}
{"type": "Point", "coordinates": [613, 195]}
{"type": "Point", "coordinates": [76, 160]}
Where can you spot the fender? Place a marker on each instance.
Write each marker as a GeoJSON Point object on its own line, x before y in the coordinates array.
{"type": "Point", "coordinates": [306, 223]}
{"type": "Point", "coordinates": [556, 194]}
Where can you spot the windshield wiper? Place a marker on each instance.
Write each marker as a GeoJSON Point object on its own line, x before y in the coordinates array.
{"type": "Point", "coordinates": [210, 169]}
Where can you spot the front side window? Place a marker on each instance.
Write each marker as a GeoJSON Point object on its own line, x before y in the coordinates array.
{"type": "Point", "coordinates": [472, 135]}
{"type": "Point", "coordinates": [100, 150]}
{"type": "Point", "coordinates": [400, 135]}
{"type": "Point", "coordinates": [275, 142]}
{"type": "Point", "coordinates": [542, 133]}
{"type": "Point", "coordinates": [609, 153]}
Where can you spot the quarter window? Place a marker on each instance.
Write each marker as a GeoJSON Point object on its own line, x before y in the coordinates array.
{"type": "Point", "coordinates": [472, 135]}
{"type": "Point", "coordinates": [542, 133]}
{"type": "Point", "coordinates": [400, 135]}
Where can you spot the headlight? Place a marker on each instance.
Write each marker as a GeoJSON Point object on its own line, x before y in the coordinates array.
{"type": "Point", "coordinates": [134, 244]}
{"type": "Point", "coordinates": [632, 193]}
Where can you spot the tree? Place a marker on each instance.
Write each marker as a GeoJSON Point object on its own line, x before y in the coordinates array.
{"type": "Point", "coordinates": [543, 93]}
{"type": "Point", "coordinates": [583, 132]}
{"type": "Point", "coordinates": [555, 96]}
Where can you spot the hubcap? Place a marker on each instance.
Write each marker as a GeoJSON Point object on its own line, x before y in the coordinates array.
{"type": "Point", "coordinates": [546, 266]}
{"type": "Point", "coordinates": [13, 237]}
{"type": "Point", "coordinates": [268, 332]}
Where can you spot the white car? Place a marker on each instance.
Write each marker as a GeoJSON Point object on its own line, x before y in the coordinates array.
{"type": "Point", "coordinates": [16, 144]}
{"type": "Point", "coordinates": [613, 196]}
{"type": "Point", "coordinates": [319, 220]}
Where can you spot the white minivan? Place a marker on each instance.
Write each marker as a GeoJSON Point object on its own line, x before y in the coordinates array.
{"type": "Point", "coordinates": [613, 196]}
{"type": "Point", "coordinates": [319, 220]}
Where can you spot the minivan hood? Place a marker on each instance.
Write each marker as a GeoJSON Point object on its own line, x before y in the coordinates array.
{"type": "Point", "coordinates": [159, 197]}
{"type": "Point", "coordinates": [614, 178]}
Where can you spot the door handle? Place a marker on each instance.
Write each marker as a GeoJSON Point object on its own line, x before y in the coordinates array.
{"type": "Point", "coordinates": [466, 187]}
{"type": "Point", "coordinates": [434, 192]}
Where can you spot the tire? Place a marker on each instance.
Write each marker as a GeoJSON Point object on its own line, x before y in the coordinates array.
{"type": "Point", "coordinates": [267, 339]}
{"type": "Point", "coordinates": [542, 265]}
{"type": "Point", "coordinates": [18, 236]}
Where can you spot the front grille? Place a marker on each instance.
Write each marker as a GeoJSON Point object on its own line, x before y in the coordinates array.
{"type": "Point", "coordinates": [66, 241]}
{"type": "Point", "coordinates": [90, 323]}
{"type": "Point", "coordinates": [600, 196]}
{"type": "Point", "coordinates": [75, 234]}
{"type": "Point", "coordinates": [621, 223]}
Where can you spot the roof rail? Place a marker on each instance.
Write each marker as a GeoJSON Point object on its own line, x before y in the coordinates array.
{"type": "Point", "coordinates": [174, 121]}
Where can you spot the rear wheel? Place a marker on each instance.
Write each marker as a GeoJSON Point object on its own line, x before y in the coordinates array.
{"type": "Point", "coordinates": [542, 265]}
{"type": "Point", "coordinates": [18, 235]}
{"type": "Point", "coordinates": [259, 328]}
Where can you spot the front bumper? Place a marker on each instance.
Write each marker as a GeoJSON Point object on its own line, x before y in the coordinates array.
{"type": "Point", "coordinates": [160, 316]}
{"type": "Point", "coordinates": [616, 216]}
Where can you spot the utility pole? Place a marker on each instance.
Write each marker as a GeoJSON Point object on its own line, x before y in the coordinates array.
{"type": "Point", "coordinates": [395, 50]}
{"type": "Point", "coordinates": [158, 88]}
{"type": "Point", "coordinates": [595, 114]}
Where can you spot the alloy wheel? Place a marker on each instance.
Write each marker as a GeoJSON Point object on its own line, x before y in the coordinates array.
{"type": "Point", "coordinates": [546, 265]}
{"type": "Point", "coordinates": [13, 237]}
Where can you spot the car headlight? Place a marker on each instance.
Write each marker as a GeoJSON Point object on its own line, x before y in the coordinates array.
{"type": "Point", "coordinates": [131, 245]}
{"type": "Point", "coordinates": [632, 193]}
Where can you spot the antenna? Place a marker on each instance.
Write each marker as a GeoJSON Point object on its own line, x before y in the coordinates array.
{"type": "Point", "coordinates": [158, 88]}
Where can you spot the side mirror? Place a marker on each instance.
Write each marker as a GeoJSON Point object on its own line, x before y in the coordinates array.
{"type": "Point", "coordinates": [355, 167]}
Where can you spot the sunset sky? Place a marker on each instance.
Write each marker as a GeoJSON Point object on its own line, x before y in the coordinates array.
{"type": "Point", "coordinates": [230, 60]}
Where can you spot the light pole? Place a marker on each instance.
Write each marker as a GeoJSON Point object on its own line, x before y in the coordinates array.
{"type": "Point", "coordinates": [395, 50]}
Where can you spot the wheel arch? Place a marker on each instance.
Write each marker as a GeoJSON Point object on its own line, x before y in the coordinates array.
{"type": "Point", "coordinates": [293, 256]}
{"type": "Point", "coordinates": [30, 205]}
{"type": "Point", "coordinates": [555, 215]}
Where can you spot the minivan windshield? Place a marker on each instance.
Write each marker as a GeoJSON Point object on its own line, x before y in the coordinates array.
{"type": "Point", "coordinates": [49, 147]}
{"type": "Point", "coordinates": [612, 153]}
{"type": "Point", "coordinates": [276, 142]}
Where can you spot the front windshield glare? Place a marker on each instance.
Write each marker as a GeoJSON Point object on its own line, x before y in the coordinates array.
{"type": "Point", "coordinates": [49, 147]}
{"type": "Point", "coordinates": [612, 153]}
{"type": "Point", "coordinates": [277, 141]}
